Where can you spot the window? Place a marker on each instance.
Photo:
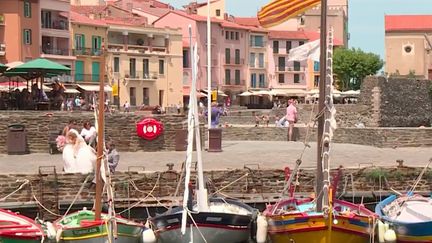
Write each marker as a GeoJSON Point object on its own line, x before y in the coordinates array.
{"type": "Point", "coordinates": [316, 66]}
{"type": "Point", "coordinates": [237, 76]}
{"type": "Point", "coordinates": [161, 96]}
{"type": "Point", "coordinates": [237, 35]}
{"type": "Point", "coordinates": [46, 19]}
{"type": "Point", "coordinates": [296, 66]}
{"type": "Point", "coordinates": [257, 41]}
{"type": "Point", "coordinates": [232, 35]}
{"type": "Point", "coordinates": [146, 68]}
{"type": "Point", "coordinates": [227, 55]}
{"type": "Point", "coordinates": [316, 80]}
{"type": "Point", "coordinates": [27, 36]}
{"type": "Point", "coordinates": [132, 67]}
{"type": "Point", "coordinates": [96, 44]}
{"type": "Point", "coordinates": [261, 60]}
{"type": "Point", "coordinates": [27, 9]}
{"type": "Point", "coordinates": [185, 59]}
{"type": "Point", "coordinates": [237, 56]}
{"type": "Point", "coordinates": [146, 96]}
{"type": "Point", "coordinates": [79, 42]}
{"type": "Point", "coordinates": [296, 78]}
{"type": "Point", "coordinates": [161, 67]}
{"type": "Point", "coordinates": [301, 43]}
{"type": "Point", "coordinates": [281, 78]}
{"type": "Point", "coordinates": [2, 19]}
{"type": "Point", "coordinates": [132, 96]}
{"type": "Point", "coordinates": [79, 70]}
{"type": "Point", "coordinates": [116, 64]}
{"type": "Point", "coordinates": [95, 71]}
{"type": "Point", "coordinates": [252, 59]}
{"type": "Point", "coordinates": [227, 76]}
{"type": "Point", "coordinates": [253, 80]}
{"type": "Point", "coordinates": [275, 46]}
{"type": "Point", "coordinates": [281, 63]}
{"type": "Point", "coordinates": [288, 46]}
{"type": "Point", "coordinates": [218, 12]}
{"type": "Point", "coordinates": [226, 35]}
{"type": "Point", "coordinates": [262, 80]}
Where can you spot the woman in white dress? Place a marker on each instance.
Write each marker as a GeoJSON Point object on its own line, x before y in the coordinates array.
{"type": "Point", "coordinates": [78, 157]}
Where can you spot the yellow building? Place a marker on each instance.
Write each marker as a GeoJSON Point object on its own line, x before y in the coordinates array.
{"type": "Point", "coordinates": [87, 37]}
{"type": "Point", "coordinates": [145, 63]}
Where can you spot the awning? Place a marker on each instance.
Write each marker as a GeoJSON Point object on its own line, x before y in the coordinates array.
{"type": "Point", "coordinates": [93, 87]}
{"type": "Point", "coordinates": [289, 92]}
{"type": "Point", "coordinates": [246, 93]}
{"type": "Point", "coordinates": [71, 91]}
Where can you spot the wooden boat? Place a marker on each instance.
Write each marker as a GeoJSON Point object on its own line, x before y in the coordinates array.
{"type": "Point", "coordinates": [81, 226]}
{"type": "Point", "coordinates": [212, 221]}
{"type": "Point", "coordinates": [322, 219]}
{"type": "Point", "coordinates": [406, 219]}
{"type": "Point", "coordinates": [15, 228]}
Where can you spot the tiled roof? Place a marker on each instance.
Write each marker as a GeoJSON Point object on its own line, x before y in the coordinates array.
{"type": "Point", "coordinates": [408, 23]}
{"type": "Point", "coordinates": [158, 12]}
{"type": "Point", "coordinates": [81, 19]}
{"type": "Point", "coordinates": [129, 21]}
{"type": "Point", "coordinates": [88, 9]}
{"type": "Point", "coordinates": [247, 21]}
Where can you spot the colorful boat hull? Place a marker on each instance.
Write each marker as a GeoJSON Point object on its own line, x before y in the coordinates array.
{"type": "Point", "coordinates": [15, 228]}
{"type": "Point", "coordinates": [90, 231]}
{"type": "Point", "coordinates": [406, 232]}
{"type": "Point", "coordinates": [309, 226]}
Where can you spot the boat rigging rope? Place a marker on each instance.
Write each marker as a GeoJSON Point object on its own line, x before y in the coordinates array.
{"type": "Point", "coordinates": [78, 193]}
{"type": "Point", "coordinates": [230, 184]}
{"type": "Point", "coordinates": [420, 177]}
{"type": "Point", "coordinates": [195, 224]}
{"type": "Point", "coordinates": [40, 204]}
{"type": "Point", "coordinates": [25, 182]}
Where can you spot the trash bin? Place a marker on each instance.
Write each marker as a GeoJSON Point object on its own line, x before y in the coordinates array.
{"type": "Point", "coordinates": [215, 140]}
{"type": "Point", "coordinates": [181, 137]}
{"type": "Point", "coordinates": [16, 139]}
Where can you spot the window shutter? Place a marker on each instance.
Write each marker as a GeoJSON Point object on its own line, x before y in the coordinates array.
{"type": "Point", "coordinates": [83, 42]}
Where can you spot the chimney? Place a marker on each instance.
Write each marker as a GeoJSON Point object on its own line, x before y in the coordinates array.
{"type": "Point", "coordinates": [225, 16]}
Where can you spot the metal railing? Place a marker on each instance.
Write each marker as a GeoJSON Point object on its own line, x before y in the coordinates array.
{"type": "Point", "coordinates": [234, 61]}
{"type": "Point", "coordinates": [56, 51]}
{"type": "Point", "coordinates": [56, 24]}
{"type": "Point", "coordinates": [233, 82]}
{"type": "Point", "coordinates": [86, 77]}
{"type": "Point", "coordinates": [130, 74]}
{"type": "Point", "coordinates": [291, 69]}
{"type": "Point", "coordinates": [87, 52]}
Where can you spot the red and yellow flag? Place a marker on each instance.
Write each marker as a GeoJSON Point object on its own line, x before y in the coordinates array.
{"type": "Point", "coordinates": [279, 11]}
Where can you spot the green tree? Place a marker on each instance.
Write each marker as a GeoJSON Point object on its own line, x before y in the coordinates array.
{"type": "Point", "coordinates": [351, 66]}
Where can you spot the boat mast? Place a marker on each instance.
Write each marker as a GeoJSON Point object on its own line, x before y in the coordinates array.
{"type": "Point", "coordinates": [100, 138]}
{"type": "Point", "coordinates": [321, 105]}
{"type": "Point", "coordinates": [209, 88]}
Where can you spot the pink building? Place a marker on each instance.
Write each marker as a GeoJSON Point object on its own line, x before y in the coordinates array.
{"type": "Point", "coordinates": [229, 51]}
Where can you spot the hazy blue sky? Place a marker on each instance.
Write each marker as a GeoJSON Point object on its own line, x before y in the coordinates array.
{"type": "Point", "coordinates": [366, 17]}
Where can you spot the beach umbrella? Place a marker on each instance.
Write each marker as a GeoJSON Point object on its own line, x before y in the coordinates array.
{"type": "Point", "coordinates": [38, 68]}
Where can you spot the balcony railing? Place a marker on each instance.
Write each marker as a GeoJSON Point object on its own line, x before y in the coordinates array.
{"type": "Point", "coordinates": [141, 75]}
{"type": "Point", "coordinates": [87, 52]}
{"type": "Point", "coordinates": [57, 25]}
{"type": "Point", "coordinates": [253, 44]}
{"type": "Point", "coordinates": [56, 51]}
{"type": "Point", "coordinates": [259, 84]}
{"type": "Point", "coordinates": [291, 69]}
{"type": "Point", "coordinates": [87, 77]}
{"type": "Point", "coordinates": [119, 47]}
{"type": "Point", "coordinates": [234, 61]}
{"type": "Point", "coordinates": [233, 82]}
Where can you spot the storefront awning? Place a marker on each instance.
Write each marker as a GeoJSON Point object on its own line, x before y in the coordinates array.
{"type": "Point", "coordinates": [93, 87]}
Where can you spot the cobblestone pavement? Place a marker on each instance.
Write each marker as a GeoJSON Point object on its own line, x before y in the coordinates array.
{"type": "Point", "coordinates": [267, 154]}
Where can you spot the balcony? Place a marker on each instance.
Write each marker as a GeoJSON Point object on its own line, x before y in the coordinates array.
{"type": "Point", "coordinates": [139, 75]}
{"type": "Point", "coordinates": [262, 44]}
{"type": "Point", "coordinates": [291, 69]}
{"type": "Point", "coordinates": [56, 25]}
{"type": "Point", "coordinates": [56, 51]}
{"type": "Point", "coordinates": [87, 77]}
{"type": "Point", "coordinates": [87, 52]}
{"type": "Point", "coordinates": [119, 47]}
{"type": "Point", "coordinates": [262, 65]}
{"type": "Point", "coordinates": [2, 49]}
{"type": "Point", "coordinates": [235, 61]}
{"type": "Point", "coordinates": [255, 85]}
{"type": "Point", "coordinates": [233, 82]}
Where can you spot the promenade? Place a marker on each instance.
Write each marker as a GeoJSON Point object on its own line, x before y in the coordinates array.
{"type": "Point", "coordinates": [237, 154]}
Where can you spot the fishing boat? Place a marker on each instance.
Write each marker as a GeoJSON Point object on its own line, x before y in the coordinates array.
{"type": "Point", "coordinates": [405, 218]}
{"type": "Point", "coordinates": [81, 226]}
{"type": "Point", "coordinates": [202, 220]}
{"type": "Point", "coordinates": [93, 226]}
{"type": "Point", "coordinates": [15, 228]}
{"type": "Point", "coordinates": [320, 219]}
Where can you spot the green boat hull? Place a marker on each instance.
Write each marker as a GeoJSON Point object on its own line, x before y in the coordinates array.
{"type": "Point", "coordinates": [13, 240]}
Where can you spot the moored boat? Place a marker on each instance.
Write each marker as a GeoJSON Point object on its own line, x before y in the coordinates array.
{"type": "Point", "coordinates": [15, 228]}
{"type": "Point", "coordinates": [81, 226]}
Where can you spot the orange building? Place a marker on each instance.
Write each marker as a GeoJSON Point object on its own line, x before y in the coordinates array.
{"type": "Point", "coordinates": [19, 30]}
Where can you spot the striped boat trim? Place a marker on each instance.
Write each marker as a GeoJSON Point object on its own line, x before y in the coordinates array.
{"type": "Point", "coordinates": [279, 11]}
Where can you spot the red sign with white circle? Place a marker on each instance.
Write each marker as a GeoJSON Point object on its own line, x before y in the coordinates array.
{"type": "Point", "coordinates": [149, 129]}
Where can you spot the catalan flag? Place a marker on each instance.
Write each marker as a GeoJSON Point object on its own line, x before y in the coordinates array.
{"type": "Point", "coordinates": [278, 11]}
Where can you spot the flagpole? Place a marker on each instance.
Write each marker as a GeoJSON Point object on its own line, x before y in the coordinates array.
{"type": "Point", "coordinates": [321, 105]}
{"type": "Point", "coordinates": [208, 70]}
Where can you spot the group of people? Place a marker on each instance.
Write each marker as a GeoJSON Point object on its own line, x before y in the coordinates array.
{"type": "Point", "coordinates": [78, 148]}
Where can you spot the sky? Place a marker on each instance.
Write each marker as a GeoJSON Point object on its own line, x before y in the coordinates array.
{"type": "Point", "coordinates": [365, 19]}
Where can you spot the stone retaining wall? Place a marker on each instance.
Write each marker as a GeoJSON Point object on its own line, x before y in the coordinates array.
{"type": "Point", "coordinates": [379, 137]}
{"type": "Point", "coordinates": [251, 184]}
{"type": "Point", "coordinates": [120, 127]}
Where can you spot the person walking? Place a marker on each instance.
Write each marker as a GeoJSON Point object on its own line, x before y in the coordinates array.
{"type": "Point", "coordinates": [126, 106]}
{"type": "Point", "coordinates": [291, 117]}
